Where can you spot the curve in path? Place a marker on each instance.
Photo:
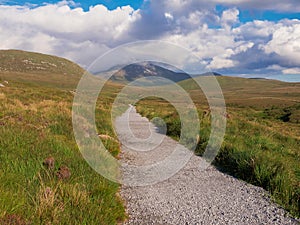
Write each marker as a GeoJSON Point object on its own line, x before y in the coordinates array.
{"type": "Point", "coordinates": [191, 196]}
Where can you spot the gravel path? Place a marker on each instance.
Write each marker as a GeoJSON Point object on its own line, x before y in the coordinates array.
{"type": "Point", "coordinates": [192, 195]}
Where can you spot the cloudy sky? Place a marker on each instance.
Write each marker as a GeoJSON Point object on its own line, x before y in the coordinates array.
{"type": "Point", "coordinates": [230, 36]}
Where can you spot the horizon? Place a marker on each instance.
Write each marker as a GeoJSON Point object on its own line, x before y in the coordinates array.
{"type": "Point", "coordinates": [229, 37]}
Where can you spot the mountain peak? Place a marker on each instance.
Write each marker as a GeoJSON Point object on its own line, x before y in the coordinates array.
{"type": "Point", "coordinates": [134, 71]}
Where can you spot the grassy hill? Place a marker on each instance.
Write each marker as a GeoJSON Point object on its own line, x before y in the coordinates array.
{"type": "Point", "coordinates": [29, 62]}
{"type": "Point", "coordinates": [39, 69]}
{"type": "Point", "coordinates": [35, 123]}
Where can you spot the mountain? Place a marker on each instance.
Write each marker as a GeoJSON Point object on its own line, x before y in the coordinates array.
{"type": "Point", "coordinates": [134, 71]}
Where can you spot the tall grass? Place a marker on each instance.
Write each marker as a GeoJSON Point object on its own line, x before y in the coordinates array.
{"type": "Point", "coordinates": [252, 150]}
{"type": "Point", "coordinates": [35, 122]}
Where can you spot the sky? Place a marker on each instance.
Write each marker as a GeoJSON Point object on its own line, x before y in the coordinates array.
{"type": "Point", "coordinates": [233, 37]}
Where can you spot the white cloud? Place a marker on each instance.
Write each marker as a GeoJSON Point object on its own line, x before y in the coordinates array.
{"type": "Point", "coordinates": [204, 42]}
{"type": "Point", "coordinates": [175, 5]}
{"type": "Point", "coordinates": [286, 42]}
{"type": "Point", "coordinates": [291, 71]}
{"type": "Point", "coordinates": [221, 63]}
{"type": "Point", "coordinates": [219, 45]}
{"type": "Point", "coordinates": [256, 29]}
{"type": "Point", "coordinates": [169, 16]}
{"type": "Point", "coordinates": [230, 17]}
{"type": "Point", "coordinates": [60, 29]}
{"type": "Point", "coordinates": [224, 60]}
{"type": "Point", "coordinates": [60, 18]}
{"type": "Point", "coordinates": [284, 70]}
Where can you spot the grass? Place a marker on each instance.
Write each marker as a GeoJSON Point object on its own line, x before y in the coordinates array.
{"type": "Point", "coordinates": [261, 145]}
{"type": "Point", "coordinates": [35, 122]}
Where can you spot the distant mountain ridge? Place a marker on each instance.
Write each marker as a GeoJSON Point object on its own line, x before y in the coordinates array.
{"type": "Point", "coordinates": [132, 72]}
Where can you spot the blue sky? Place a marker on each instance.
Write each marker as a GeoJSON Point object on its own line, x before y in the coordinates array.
{"type": "Point", "coordinates": [238, 37]}
{"type": "Point", "coordinates": [110, 4]}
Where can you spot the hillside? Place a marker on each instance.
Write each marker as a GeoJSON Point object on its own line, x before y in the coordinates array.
{"type": "Point", "coordinates": [247, 92]}
{"type": "Point", "coordinates": [30, 67]}
{"type": "Point", "coordinates": [29, 62]}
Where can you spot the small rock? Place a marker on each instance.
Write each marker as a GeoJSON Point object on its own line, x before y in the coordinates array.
{"type": "Point", "coordinates": [227, 115]}
{"type": "Point", "coordinates": [49, 163]}
{"type": "Point", "coordinates": [63, 173]}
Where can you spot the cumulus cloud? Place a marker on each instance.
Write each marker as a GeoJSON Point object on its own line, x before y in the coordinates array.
{"type": "Point", "coordinates": [230, 17]}
{"type": "Point", "coordinates": [285, 43]}
{"type": "Point", "coordinates": [225, 60]}
{"type": "Point", "coordinates": [60, 29]}
{"type": "Point", "coordinates": [275, 49]}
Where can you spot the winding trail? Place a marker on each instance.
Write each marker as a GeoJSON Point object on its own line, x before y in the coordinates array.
{"type": "Point", "coordinates": [192, 195]}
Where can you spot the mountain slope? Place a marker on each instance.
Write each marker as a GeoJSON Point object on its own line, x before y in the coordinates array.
{"type": "Point", "coordinates": [36, 68]}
